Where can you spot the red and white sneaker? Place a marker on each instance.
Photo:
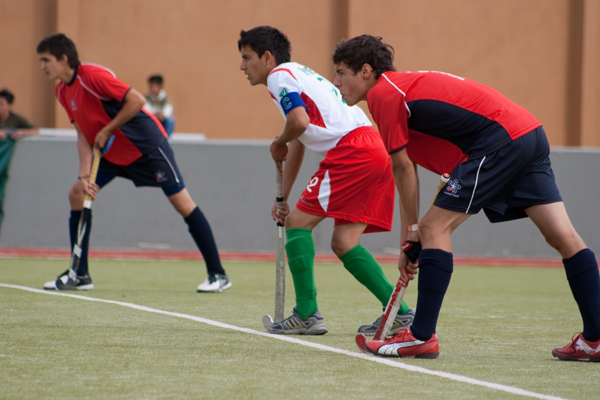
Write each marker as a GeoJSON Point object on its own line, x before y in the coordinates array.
{"type": "Point", "coordinates": [579, 350]}
{"type": "Point", "coordinates": [404, 344]}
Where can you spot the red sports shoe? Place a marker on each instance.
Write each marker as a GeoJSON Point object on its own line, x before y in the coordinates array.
{"type": "Point", "coordinates": [404, 344]}
{"type": "Point", "coordinates": [579, 350]}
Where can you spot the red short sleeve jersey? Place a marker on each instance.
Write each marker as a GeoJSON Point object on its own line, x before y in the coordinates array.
{"type": "Point", "coordinates": [93, 98]}
{"type": "Point", "coordinates": [443, 119]}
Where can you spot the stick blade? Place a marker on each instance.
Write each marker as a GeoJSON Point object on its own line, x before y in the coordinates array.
{"type": "Point", "coordinates": [361, 342]}
{"type": "Point", "coordinates": [268, 322]}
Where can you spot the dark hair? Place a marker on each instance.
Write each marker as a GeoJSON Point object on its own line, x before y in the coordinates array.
{"type": "Point", "coordinates": [365, 49]}
{"type": "Point", "coordinates": [7, 95]}
{"type": "Point", "coordinates": [158, 79]}
{"type": "Point", "coordinates": [263, 38]}
{"type": "Point", "coordinates": [57, 45]}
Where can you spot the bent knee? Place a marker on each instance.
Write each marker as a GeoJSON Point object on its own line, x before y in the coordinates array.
{"type": "Point", "coordinates": [76, 195]}
{"type": "Point", "coordinates": [299, 219]}
{"type": "Point", "coordinates": [567, 244]}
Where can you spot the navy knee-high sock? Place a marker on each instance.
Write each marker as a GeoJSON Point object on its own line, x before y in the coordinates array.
{"type": "Point", "coordinates": [435, 271]}
{"type": "Point", "coordinates": [202, 234]}
{"type": "Point", "coordinates": [584, 280]}
{"type": "Point", "coordinates": [73, 230]}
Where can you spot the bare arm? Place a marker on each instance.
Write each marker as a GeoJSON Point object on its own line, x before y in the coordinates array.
{"type": "Point", "coordinates": [85, 151]}
{"type": "Point", "coordinates": [132, 104]}
{"type": "Point", "coordinates": [293, 162]}
{"type": "Point", "coordinates": [296, 123]}
{"type": "Point", "coordinates": [407, 184]}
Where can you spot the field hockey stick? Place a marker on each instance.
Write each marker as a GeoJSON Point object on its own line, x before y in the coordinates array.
{"type": "Point", "coordinates": [393, 305]}
{"type": "Point", "coordinates": [279, 263]}
{"type": "Point", "coordinates": [84, 221]}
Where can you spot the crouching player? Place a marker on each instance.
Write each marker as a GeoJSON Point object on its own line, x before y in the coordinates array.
{"type": "Point", "coordinates": [353, 185]}
{"type": "Point", "coordinates": [100, 106]}
{"type": "Point", "coordinates": [499, 157]}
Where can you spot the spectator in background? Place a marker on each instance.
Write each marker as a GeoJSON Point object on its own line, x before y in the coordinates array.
{"type": "Point", "coordinates": [12, 126]}
{"type": "Point", "coordinates": [159, 104]}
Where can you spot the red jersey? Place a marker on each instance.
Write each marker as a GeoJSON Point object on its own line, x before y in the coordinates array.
{"type": "Point", "coordinates": [443, 119]}
{"type": "Point", "coordinates": [93, 98]}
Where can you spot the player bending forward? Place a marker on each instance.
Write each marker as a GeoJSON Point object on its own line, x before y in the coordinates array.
{"type": "Point", "coordinates": [353, 184]}
{"type": "Point", "coordinates": [499, 157]}
{"type": "Point", "coordinates": [100, 106]}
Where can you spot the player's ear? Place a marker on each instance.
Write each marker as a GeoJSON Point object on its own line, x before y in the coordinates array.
{"type": "Point", "coordinates": [63, 59]}
{"type": "Point", "coordinates": [366, 71]}
{"type": "Point", "coordinates": [268, 57]}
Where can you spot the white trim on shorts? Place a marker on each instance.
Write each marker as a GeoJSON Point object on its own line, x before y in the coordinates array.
{"type": "Point", "coordinates": [170, 165]}
{"type": "Point", "coordinates": [475, 186]}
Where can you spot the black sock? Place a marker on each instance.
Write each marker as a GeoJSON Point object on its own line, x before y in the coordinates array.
{"type": "Point", "coordinates": [82, 269]}
{"type": "Point", "coordinates": [202, 234]}
{"type": "Point", "coordinates": [584, 280]}
{"type": "Point", "coordinates": [435, 271]}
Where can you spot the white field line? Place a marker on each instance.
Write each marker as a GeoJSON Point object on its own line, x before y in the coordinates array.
{"type": "Point", "coordinates": [385, 361]}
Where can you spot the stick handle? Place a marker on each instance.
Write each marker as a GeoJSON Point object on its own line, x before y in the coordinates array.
{"type": "Point", "coordinates": [279, 195]}
{"type": "Point", "coordinates": [93, 173]}
{"type": "Point", "coordinates": [444, 178]}
{"type": "Point", "coordinates": [280, 257]}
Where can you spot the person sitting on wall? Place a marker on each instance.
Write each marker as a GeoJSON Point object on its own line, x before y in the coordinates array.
{"type": "Point", "coordinates": [159, 104]}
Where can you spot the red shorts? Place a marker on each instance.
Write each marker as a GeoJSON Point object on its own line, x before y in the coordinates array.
{"type": "Point", "coordinates": [354, 183]}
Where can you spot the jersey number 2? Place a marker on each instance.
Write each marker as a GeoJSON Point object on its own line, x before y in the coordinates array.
{"type": "Point", "coordinates": [313, 182]}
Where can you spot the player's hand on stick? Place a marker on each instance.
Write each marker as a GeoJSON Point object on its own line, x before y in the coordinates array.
{"type": "Point", "coordinates": [280, 215]}
{"type": "Point", "coordinates": [408, 262]}
{"type": "Point", "coordinates": [279, 153]}
{"type": "Point", "coordinates": [102, 139]}
{"type": "Point", "coordinates": [89, 188]}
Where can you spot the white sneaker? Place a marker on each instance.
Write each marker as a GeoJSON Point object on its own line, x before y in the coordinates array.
{"type": "Point", "coordinates": [214, 284]}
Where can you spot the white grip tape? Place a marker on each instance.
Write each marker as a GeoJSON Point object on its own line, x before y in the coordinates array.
{"type": "Point", "coordinates": [87, 203]}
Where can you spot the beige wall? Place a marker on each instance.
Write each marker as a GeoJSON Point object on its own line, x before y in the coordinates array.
{"type": "Point", "coordinates": [542, 54]}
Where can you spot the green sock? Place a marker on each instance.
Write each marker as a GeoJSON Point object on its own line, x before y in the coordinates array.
{"type": "Point", "coordinates": [365, 268]}
{"type": "Point", "coordinates": [300, 250]}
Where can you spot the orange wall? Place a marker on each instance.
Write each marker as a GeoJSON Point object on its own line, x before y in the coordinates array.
{"type": "Point", "coordinates": [542, 54]}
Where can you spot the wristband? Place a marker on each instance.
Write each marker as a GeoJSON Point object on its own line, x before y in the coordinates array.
{"type": "Point", "coordinates": [83, 177]}
{"type": "Point", "coordinates": [413, 227]}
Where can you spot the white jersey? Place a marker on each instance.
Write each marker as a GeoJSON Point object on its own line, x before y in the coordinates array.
{"type": "Point", "coordinates": [330, 118]}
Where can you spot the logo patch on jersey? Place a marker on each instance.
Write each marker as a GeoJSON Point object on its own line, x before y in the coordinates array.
{"type": "Point", "coordinates": [307, 71]}
{"type": "Point", "coordinates": [73, 105]}
{"type": "Point", "coordinates": [160, 176]}
{"type": "Point", "coordinates": [283, 93]}
{"type": "Point", "coordinates": [452, 188]}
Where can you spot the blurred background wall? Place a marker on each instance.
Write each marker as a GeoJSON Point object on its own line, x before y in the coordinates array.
{"type": "Point", "coordinates": [542, 54]}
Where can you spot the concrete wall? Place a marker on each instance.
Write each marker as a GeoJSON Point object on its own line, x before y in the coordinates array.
{"type": "Point", "coordinates": [233, 183]}
{"type": "Point", "coordinates": [542, 54]}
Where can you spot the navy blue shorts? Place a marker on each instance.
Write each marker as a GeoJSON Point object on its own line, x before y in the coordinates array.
{"type": "Point", "coordinates": [157, 168]}
{"type": "Point", "coordinates": [505, 182]}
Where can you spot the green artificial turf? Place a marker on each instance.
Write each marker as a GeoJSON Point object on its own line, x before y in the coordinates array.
{"type": "Point", "coordinates": [497, 326]}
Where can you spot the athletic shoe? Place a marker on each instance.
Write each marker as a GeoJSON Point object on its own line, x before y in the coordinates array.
{"type": "Point", "coordinates": [294, 325]}
{"type": "Point", "coordinates": [64, 282]}
{"type": "Point", "coordinates": [402, 321]}
{"type": "Point", "coordinates": [404, 344]}
{"type": "Point", "coordinates": [579, 349]}
{"type": "Point", "coordinates": [214, 284]}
